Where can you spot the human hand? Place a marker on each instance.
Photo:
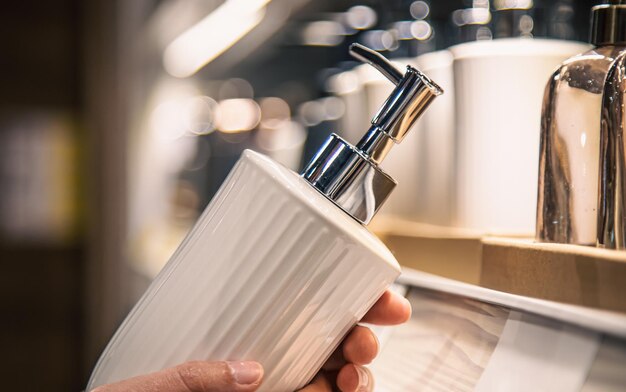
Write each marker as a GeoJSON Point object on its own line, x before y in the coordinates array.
{"type": "Point", "coordinates": [195, 376]}
{"type": "Point", "coordinates": [343, 371]}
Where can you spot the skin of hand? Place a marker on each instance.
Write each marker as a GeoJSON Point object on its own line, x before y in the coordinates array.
{"type": "Point", "coordinates": [344, 371]}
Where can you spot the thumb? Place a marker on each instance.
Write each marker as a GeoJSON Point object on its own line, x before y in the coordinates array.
{"type": "Point", "coordinates": [195, 376]}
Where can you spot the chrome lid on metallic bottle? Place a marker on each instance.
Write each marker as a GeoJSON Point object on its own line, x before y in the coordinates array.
{"type": "Point", "coordinates": [608, 23]}
{"type": "Point", "coordinates": [350, 176]}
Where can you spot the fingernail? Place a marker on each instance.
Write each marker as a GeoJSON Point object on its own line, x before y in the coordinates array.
{"type": "Point", "coordinates": [407, 304]}
{"type": "Point", "coordinates": [246, 373]}
{"type": "Point", "coordinates": [377, 342]}
{"type": "Point", "coordinates": [364, 379]}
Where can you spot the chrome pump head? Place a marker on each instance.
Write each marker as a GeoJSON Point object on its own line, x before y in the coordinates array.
{"type": "Point", "coordinates": [608, 23]}
{"type": "Point", "coordinates": [350, 176]}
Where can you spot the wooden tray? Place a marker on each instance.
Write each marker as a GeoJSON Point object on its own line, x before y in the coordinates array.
{"type": "Point", "coordinates": [453, 253]}
{"type": "Point", "coordinates": [571, 274]}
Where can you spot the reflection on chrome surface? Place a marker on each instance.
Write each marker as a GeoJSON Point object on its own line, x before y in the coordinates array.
{"type": "Point", "coordinates": [569, 154]}
{"type": "Point", "coordinates": [350, 176]}
{"type": "Point", "coordinates": [612, 202]}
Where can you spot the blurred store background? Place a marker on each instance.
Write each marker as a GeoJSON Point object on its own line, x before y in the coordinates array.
{"type": "Point", "coordinates": [120, 119]}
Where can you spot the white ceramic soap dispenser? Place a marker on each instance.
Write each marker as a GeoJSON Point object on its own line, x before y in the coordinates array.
{"type": "Point", "coordinates": [279, 267]}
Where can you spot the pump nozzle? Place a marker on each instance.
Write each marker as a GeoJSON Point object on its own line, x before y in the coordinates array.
{"type": "Point", "coordinates": [350, 176]}
{"type": "Point", "coordinates": [376, 60]}
{"type": "Point", "coordinates": [413, 93]}
{"type": "Point", "coordinates": [608, 23]}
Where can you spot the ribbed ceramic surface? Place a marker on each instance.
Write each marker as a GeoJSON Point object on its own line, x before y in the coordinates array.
{"type": "Point", "coordinates": [271, 272]}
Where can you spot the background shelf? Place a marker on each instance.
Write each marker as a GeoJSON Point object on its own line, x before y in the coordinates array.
{"type": "Point", "coordinates": [578, 275]}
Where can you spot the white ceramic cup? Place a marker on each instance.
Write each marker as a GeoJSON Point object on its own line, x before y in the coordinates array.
{"type": "Point", "coordinates": [355, 120]}
{"type": "Point", "coordinates": [435, 181]}
{"type": "Point", "coordinates": [499, 89]}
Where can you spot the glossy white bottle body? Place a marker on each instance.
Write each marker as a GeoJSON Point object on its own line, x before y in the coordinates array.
{"type": "Point", "coordinates": [272, 271]}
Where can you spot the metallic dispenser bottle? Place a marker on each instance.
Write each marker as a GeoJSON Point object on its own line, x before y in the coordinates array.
{"type": "Point", "coordinates": [572, 115]}
{"type": "Point", "coordinates": [612, 189]}
{"type": "Point", "coordinates": [280, 266]}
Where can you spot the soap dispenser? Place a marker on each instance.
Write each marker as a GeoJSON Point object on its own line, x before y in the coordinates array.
{"type": "Point", "coordinates": [612, 198]}
{"type": "Point", "coordinates": [279, 267]}
{"type": "Point", "coordinates": [570, 134]}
